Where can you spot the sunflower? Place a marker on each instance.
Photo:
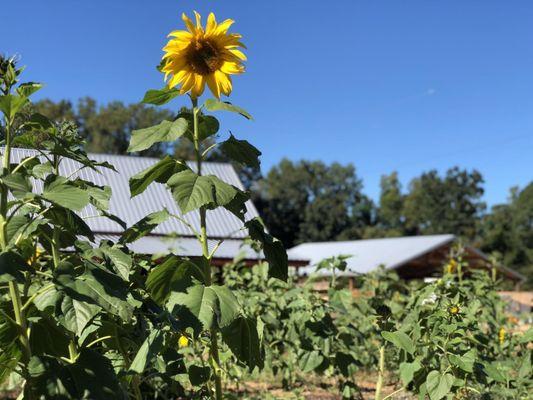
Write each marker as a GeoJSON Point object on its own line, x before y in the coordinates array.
{"type": "Point", "coordinates": [198, 56]}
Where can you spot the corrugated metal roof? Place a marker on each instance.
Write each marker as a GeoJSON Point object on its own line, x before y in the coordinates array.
{"type": "Point", "coordinates": [367, 255]}
{"type": "Point", "coordinates": [220, 223]}
{"type": "Point", "coordinates": [189, 247]}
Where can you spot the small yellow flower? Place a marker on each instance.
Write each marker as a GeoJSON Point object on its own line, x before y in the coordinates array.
{"type": "Point", "coordinates": [200, 56]}
{"type": "Point", "coordinates": [451, 267]}
{"type": "Point", "coordinates": [35, 256]}
{"type": "Point", "coordinates": [183, 342]}
{"type": "Point", "coordinates": [501, 335]}
{"type": "Point", "coordinates": [453, 310]}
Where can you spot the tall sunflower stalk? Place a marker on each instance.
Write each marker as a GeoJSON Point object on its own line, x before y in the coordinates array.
{"type": "Point", "coordinates": [194, 59]}
{"type": "Point", "coordinates": [9, 77]}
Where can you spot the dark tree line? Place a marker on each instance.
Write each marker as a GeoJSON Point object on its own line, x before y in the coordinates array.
{"type": "Point", "coordinates": [307, 201]}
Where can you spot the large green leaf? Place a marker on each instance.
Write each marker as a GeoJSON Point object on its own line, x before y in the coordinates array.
{"type": "Point", "coordinates": [408, 370]}
{"type": "Point", "coordinates": [166, 131]}
{"type": "Point", "coordinates": [73, 314]}
{"type": "Point", "coordinates": [465, 362]}
{"type": "Point", "coordinates": [28, 88]}
{"type": "Point", "coordinates": [18, 183]}
{"type": "Point", "coordinates": [210, 306]}
{"type": "Point", "coordinates": [121, 260]}
{"type": "Point", "coordinates": [241, 151]}
{"type": "Point", "coordinates": [159, 172]}
{"type": "Point", "coordinates": [173, 275]}
{"type": "Point", "coordinates": [144, 226]}
{"type": "Point", "coordinates": [400, 339]}
{"type": "Point", "coordinates": [192, 191]}
{"type": "Point", "coordinates": [310, 360]}
{"type": "Point", "coordinates": [60, 191]}
{"type": "Point", "coordinates": [91, 377]}
{"type": "Point", "coordinates": [98, 286]}
{"type": "Point", "coordinates": [11, 104]}
{"type": "Point", "coordinates": [438, 385]}
{"type": "Point", "coordinates": [274, 250]}
{"type": "Point", "coordinates": [217, 105]}
{"type": "Point", "coordinates": [12, 267]}
{"type": "Point", "coordinates": [160, 97]}
{"type": "Point", "coordinates": [242, 338]}
{"type": "Point", "coordinates": [150, 347]}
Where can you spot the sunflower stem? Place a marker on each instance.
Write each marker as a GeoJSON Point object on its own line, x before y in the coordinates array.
{"type": "Point", "coordinates": [205, 250]}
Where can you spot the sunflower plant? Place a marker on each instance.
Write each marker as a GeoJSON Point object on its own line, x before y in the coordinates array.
{"type": "Point", "coordinates": [196, 58]}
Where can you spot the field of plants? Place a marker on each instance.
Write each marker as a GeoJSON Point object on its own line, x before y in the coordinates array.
{"type": "Point", "coordinates": [87, 320]}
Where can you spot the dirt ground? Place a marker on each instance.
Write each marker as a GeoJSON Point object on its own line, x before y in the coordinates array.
{"type": "Point", "coordinates": [318, 390]}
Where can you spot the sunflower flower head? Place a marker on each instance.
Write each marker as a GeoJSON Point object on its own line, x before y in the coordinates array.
{"type": "Point", "coordinates": [203, 55]}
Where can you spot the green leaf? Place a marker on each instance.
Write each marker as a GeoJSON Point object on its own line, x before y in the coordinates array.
{"type": "Point", "coordinates": [91, 377]}
{"type": "Point", "coordinates": [211, 306]}
{"type": "Point", "coordinates": [217, 105]}
{"type": "Point", "coordinates": [63, 193]}
{"type": "Point", "coordinates": [274, 250]}
{"type": "Point", "coordinates": [159, 172]}
{"type": "Point", "coordinates": [408, 370]}
{"type": "Point", "coordinates": [465, 362]}
{"type": "Point", "coordinates": [120, 260]}
{"type": "Point", "coordinates": [192, 191]}
{"type": "Point", "coordinates": [98, 286]}
{"type": "Point", "coordinates": [11, 104]}
{"type": "Point", "coordinates": [438, 386]}
{"type": "Point", "coordinates": [144, 226]}
{"type": "Point", "coordinates": [29, 88]}
{"type": "Point", "coordinates": [160, 97]}
{"type": "Point", "coordinates": [400, 339]}
{"type": "Point", "coordinates": [166, 131]}
{"type": "Point", "coordinates": [241, 151]}
{"type": "Point", "coordinates": [242, 338]}
{"type": "Point", "coordinates": [17, 182]}
{"type": "Point", "coordinates": [310, 360]}
{"type": "Point", "coordinates": [148, 350]}
{"type": "Point", "coordinates": [199, 375]}
{"type": "Point", "coordinates": [493, 371]}
{"type": "Point", "coordinates": [12, 267]}
{"type": "Point", "coordinates": [173, 275]}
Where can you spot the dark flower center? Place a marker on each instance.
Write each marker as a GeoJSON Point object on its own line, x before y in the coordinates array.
{"type": "Point", "coordinates": [204, 57]}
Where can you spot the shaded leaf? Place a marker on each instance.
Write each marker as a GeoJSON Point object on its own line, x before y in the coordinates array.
{"type": "Point", "coordinates": [241, 151]}
{"type": "Point", "coordinates": [159, 172]}
{"type": "Point", "coordinates": [274, 250]}
{"type": "Point", "coordinates": [160, 97]}
{"type": "Point", "coordinates": [400, 339]}
{"type": "Point", "coordinates": [144, 226]}
{"type": "Point", "coordinates": [242, 338]}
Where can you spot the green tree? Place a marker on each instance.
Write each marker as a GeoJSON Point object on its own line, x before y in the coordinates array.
{"type": "Point", "coordinates": [508, 231]}
{"type": "Point", "coordinates": [390, 212]}
{"type": "Point", "coordinates": [312, 201]}
{"type": "Point", "coordinates": [107, 128]}
{"type": "Point", "coordinates": [449, 204]}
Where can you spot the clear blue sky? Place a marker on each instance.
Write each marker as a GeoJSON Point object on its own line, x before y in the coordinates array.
{"type": "Point", "coordinates": [386, 85]}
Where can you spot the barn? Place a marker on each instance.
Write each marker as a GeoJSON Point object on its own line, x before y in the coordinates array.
{"type": "Point", "coordinates": [412, 257]}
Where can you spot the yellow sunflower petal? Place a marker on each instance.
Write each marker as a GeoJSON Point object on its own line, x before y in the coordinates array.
{"type": "Point", "coordinates": [188, 83]}
{"type": "Point", "coordinates": [238, 53]}
{"type": "Point", "coordinates": [213, 85]}
{"type": "Point", "coordinates": [198, 22]}
{"type": "Point", "coordinates": [232, 68]}
{"type": "Point", "coordinates": [223, 27]}
{"type": "Point", "coordinates": [188, 23]}
{"type": "Point", "coordinates": [224, 82]}
{"type": "Point", "coordinates": [180, 35]}
{"type": "Point", "coordinates": [211, 24]}
{"type": "Point", "coordinates": [198, 87]}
